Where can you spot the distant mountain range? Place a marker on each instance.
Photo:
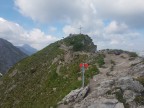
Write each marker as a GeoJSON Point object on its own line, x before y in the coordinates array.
{"type": "Point", "coordinates": [9, 55]}
{"type": "Point", "coordinates": [27, 49]}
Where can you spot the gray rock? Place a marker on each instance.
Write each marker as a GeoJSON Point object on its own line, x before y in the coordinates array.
{"type": "Point", "coordinates": [13, 73]}
{"type": "Point", "coordinates": [106, 103]}
{"type": "Point", "coordinates": [107, 83]}
{"type": "Point", "coordinates": [109, 101]}
{"type": "Point", "coordinates": [75, 95]}
{"type": "Point", "coordinates": [82, 93]}
{"type": "Point", "coordinates": [140, 106]}
{"type": "Point", "coordinates": [1, 74]}
{"type": "Point", "coordinates": [127, 83]}
{"type": "Point", "coordinates": [119, 105]}
{"type": "Point", "coordinates": [129, 95]}
{"type": "Point", "coordinates": [100, 91]}
{"type": "Point", "coordinates": [54, 89]}
{"type": "Point", "coordinates": [133, 105]}
{"type": "Point", "coordinates": [97, 105]}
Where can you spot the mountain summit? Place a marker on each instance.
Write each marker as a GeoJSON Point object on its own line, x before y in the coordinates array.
{"type": "Point", "coordinates": [80, 43]}
{"type": "Point", "coordinates": [9, 55]}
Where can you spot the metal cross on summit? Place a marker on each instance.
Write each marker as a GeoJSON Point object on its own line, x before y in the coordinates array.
{"type": "Point", "coordinates": [80, 28]}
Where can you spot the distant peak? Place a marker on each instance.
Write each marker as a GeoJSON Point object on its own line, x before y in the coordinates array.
{"type": "Point", "coordinates": [26, 45]}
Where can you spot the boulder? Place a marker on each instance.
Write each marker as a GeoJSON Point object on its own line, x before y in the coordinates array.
{"type": "Point", "coordinates": [119, 105]}
{"type": "Point", "coordinates": [129, 95]}
{"type": "Point", "coordinates": [107, 83]}
{"type": "Point", "coordinates": [101, 91]}
{"type": "Point", "coordinates": [106, 103]}
{"type": "Point", "coordinates": [127, 83]}
{"type": "Point", "coordinates": [75, 95]}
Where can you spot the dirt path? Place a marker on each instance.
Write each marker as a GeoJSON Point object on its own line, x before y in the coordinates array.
{"type": "Point", "coordinates": [114, 65]}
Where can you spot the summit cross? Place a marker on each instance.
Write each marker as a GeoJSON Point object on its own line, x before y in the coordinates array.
{"type": "Point", "coordinates": [80, 29]}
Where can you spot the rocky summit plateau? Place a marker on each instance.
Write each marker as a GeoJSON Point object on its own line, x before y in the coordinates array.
{"type": "Point", "coordinates": [51, 78]}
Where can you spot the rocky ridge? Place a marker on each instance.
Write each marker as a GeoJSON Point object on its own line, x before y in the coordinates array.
{"type": "Point", "coordinates": [43, 79]}
{"type": "Point", "coordinates": [120, 84]}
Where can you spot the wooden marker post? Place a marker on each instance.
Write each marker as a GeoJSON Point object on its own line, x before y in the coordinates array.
{"type": "Point", "coordinates": [83, 66]}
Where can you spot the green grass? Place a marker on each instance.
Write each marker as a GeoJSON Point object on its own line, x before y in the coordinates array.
{"type": "Point", "coordinates": [139, 100]}
{"type": "Point", "coordinates": [80, 42]}
{"type": "Point", "coordinates": [100, 60]}
{"type": "Point", "coordinates": [141, 80]}
{"type": "Point", "coordinates": [36, 77]}
{"type": "Point", "coordinates": [133, 54]}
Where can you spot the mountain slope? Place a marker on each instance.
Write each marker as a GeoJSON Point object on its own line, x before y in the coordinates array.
{"type": "Point", "coordinates": [9, 55]}
{"type": "Point", "coordinates": [27, 49]}
{"type": "Point", "coordinates": [44, 78]}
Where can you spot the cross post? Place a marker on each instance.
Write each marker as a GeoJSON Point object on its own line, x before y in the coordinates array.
{"type": "Point", "coordinates": [80, 29]}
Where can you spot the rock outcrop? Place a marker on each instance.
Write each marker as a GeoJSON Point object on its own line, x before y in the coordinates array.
{"type": "Point", "coordinates": [118, 84]}
{"type": "Point", "coordinates": [75, 95]}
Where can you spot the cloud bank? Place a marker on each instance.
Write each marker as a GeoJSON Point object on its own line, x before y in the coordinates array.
{"type": "Point", "coordinates": [111, 24]}
{"type": "Point", "coordinates": [127, 11]}
{"type": "Point", "coordinates": [16, 34]}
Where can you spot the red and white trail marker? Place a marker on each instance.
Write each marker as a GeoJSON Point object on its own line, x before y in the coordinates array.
{"type": "Point", "coordinates": [83, 66]}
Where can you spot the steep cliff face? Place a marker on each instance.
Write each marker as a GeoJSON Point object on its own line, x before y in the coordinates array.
{"type": "Point", "coordinates": [120, 84]}
{"type": "Point", "coordinates": [9, 55]}
{"type": "Point", "coordinates": [44, 78]}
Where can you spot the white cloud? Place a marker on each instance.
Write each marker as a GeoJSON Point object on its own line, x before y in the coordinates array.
{"type": "Point", "coordinates": [51, 10]}
{"type": "Point", "coordinates": [39, 39]}
{"type": "Point", "coordinates": [124, 16]}
{"type": "Point", "coordinates": [16, 34]}
{"type": "Point", "coordinates": [130, 12]}
{"type": "Point", "coordinates": [70, 30]}
{"type": "Point", "coordinates": [52, 29]}
{"type": "Point", "coordinates": [117, 28]}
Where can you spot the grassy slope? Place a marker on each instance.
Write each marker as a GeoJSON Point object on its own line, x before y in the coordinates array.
{"type": "Point", "coordinates": [32, 85]}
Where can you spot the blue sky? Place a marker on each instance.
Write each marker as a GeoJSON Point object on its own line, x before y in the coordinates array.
{"type": "Point", "coordinates": [110, 23]}
{"type": "Point", "coordinates": [10, 13]}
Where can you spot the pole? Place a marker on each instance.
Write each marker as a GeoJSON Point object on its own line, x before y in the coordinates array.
{"type": "Point", "coordinates": [80, 29]}
{"type": "Point", "coordinates": [83, 71]}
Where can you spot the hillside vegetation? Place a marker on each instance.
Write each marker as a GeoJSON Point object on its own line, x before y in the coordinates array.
{"type": "Point", "coordinates": [43, 79]}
